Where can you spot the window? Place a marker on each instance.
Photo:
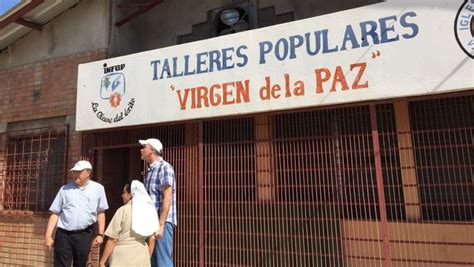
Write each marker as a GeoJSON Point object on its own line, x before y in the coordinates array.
{"type": "Point", "coordinates": [229, 165]}
{"type": "Point", "coordinates": [34, 164]}
{"type": "Point", "coordinates": [443, 147]}
{"type": "Point", "coordinates": [334, 162]}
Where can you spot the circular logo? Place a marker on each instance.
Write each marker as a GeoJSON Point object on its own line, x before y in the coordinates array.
{"type": "Point", "coordinates": [464, 27]}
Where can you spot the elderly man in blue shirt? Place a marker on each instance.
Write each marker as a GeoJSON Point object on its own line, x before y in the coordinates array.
{"type": "Point", "coordinates": [76, 208]}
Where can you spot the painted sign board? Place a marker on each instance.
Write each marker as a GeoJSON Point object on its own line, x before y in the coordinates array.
{"type": "Point", "coordinates": [387, 50]}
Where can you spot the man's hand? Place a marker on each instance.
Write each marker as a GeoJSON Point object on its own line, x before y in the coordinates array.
{"type": "Point", "coordinates": [48, 242]}
{"type": "Point", "coordinates": [159, 233]}
{"type": "Point", "coordinates": [97, 241]}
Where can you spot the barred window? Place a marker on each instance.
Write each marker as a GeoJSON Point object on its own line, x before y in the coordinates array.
{"type": "Point", "coordinates": [34, 164]}
{"type": "Point", "coordinates": [443, 146]}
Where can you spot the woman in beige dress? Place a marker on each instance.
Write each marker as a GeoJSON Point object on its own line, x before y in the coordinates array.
{"type": "Point", "coordinates": [125, 246]}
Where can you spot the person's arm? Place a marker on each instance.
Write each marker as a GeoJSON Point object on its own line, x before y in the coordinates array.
{"type": "Point", "coordinates": [109, 247]}
{"type": "Point", "coordinates": [113, 234]}
{"type": "Point", "coordinates": [151, 244]}
{"type": "Point", "coordinates": [165, 208]}
{"type": "Point", "coordinates": [48, 239]}
{"type": "Point", "coordinates": [55, 208]}
{"type": "Point", "coordinates": [101, 223]}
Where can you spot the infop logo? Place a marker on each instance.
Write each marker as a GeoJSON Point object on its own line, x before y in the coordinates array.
{"type": "Point", "coordinates": [112, 88]}
{"type": "Point", "coordinates": [464, 27]}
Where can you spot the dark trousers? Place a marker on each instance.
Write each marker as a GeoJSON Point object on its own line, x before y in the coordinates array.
{"type": "Point", "coordinates": [72, 246]}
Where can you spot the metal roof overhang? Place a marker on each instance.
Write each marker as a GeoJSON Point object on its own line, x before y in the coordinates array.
{"type": "Point", "coordinates": [29, 15]}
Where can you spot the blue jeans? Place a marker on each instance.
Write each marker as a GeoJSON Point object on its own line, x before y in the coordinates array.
{"type": "Point", "coordinates": [163, 253]}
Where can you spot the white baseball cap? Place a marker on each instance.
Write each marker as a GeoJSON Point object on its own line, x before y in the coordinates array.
{"type": "Point", "coordinates": [81, 165]}
{"type": "Point", "coordinates": [153, 142]}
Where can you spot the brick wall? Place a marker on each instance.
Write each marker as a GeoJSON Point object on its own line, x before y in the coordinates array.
{"type": "Point", "coordinates": [23, 242]}
{"type": "Point", "coordinates": [36, 91]}
{"type": "Point", "coordinates": [42, 89]}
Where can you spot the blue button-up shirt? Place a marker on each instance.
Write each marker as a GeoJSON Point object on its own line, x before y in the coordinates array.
{"type": "Point", "coordinates": [77, 208]}
{"type": "Point", "coordinates": [161, 174]}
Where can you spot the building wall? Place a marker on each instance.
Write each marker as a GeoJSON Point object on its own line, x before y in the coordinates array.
{"type": "Point", "coordinates": [43, 94]}
{"type": "Point", "coordinates": [325, 186]}
{"type": "Point", "coordinates": [161, 26]}
{"type": "Point", "coordinates": [43, 89]}
{"type": "Point", "coordinates": [38, 77]}
{"type": "Point", "coordinates": [23, 242]}
{"type": "Point", "coordinates": [40, 94]}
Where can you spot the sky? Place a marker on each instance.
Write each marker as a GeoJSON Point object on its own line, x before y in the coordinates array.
{"type": "Point", "coordinates": [6, 5]}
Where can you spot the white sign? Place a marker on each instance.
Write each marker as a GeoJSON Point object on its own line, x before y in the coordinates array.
{"type": "Point", "coordinates": [387, 50]}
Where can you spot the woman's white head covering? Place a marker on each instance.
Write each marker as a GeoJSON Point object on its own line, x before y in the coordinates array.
{"type": "Point", "coordinates": [144, 216]}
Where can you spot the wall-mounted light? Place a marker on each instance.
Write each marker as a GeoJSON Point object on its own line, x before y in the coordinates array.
{"type": "Point", "coordinates": [232, 20]}
{"type": "Point", "coordinates": [230, 16]}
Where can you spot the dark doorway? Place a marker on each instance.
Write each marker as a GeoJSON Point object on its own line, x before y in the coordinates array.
{"type": "Point", "coordinates": [116, 167]}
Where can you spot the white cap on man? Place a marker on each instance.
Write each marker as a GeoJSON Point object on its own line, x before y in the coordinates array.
{"type": "Point", "coordinates": [153, 142]}
{"type": "Point", "coordinates": [81, 165]}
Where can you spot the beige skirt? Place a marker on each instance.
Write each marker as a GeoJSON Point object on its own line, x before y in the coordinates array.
{"type": "Point", "coordinates": [130, 254]}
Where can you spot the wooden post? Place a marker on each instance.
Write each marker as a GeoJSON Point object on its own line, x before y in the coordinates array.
{"type": "Point", "coordinates": [265, 178]}
{"type": "Point", "coordinates": [407, 161]}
